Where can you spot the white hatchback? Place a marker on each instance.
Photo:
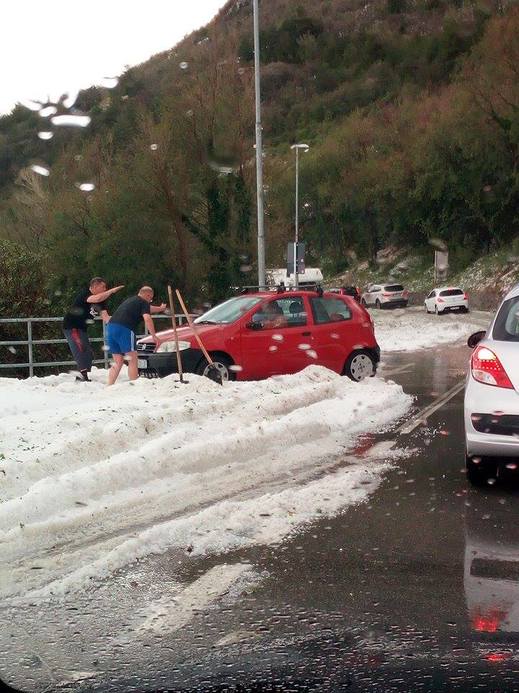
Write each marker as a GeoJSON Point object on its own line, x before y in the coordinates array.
{"type": "Point", "coordinates": [445, 299]}
{"type": "Point", "coordinates": [492, 395]}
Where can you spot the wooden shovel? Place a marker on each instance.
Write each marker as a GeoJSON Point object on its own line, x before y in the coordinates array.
{"type": "Point", "coordinates": [212, 372]}
{"type": "Point", "coordinates": [177, 349]}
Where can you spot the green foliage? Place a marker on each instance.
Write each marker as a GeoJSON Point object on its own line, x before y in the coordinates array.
{"type": "Point", "coordinates": [23, 281]}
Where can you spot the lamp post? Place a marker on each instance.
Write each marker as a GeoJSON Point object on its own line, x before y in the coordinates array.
{"type": "Point", "coordinates": [259, 150]}
{"type": "Point", "coordinates": [305, 148]}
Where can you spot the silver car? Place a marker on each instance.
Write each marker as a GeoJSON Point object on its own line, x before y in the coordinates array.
{"type": "Point", "coordinates": [492, 395]}
{"type": "Point", "coordinates": [385, 295]}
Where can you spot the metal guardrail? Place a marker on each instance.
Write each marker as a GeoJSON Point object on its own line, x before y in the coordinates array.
{"type": "Point", "coordinates": [31, 343]}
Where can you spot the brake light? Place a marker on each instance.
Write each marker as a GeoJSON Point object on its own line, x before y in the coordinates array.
{"type": "Point", "coordinates": [466, 296]}
{"type": "Point", "coordinates": [386, 294]}
{"type": "Point", "coordinates": [487, 623]}
{"type": "Point", "coordinates": [498, 656]}
{"type": "Point", "coordinates": [487, 368]}
{"type": "Point", "coordinates": [440, 300]}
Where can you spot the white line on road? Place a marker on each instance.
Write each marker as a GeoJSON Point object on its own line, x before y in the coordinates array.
{"type": "Point", "coordinates": [422, 416]}
{"type": "Point", "coordinates": [406, 368]}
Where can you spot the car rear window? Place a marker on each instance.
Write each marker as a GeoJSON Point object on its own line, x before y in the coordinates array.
{"type": "Point", "coordinates": [506, 328]}
{"type": "Point", "coordinates": [452, 292]}
{"type": "Point", "coordinates": [326, 309]}
{"type": "Point", "coordinates": [394, 287]}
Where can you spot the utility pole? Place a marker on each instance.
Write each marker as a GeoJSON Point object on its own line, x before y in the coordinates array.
{"type": "Point", "coordinates": [305, 148]}
{"type": "Point", "coordinates": [259, 150]}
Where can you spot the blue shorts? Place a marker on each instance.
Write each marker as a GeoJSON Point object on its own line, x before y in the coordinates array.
{"type": "Point", "coordinates": [120, 339]}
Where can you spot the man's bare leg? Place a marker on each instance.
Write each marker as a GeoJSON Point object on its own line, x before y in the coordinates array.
{"type": "Point", "coordinates": [115, 369]}
{"type": "Point", "coordinates": [133, 370]}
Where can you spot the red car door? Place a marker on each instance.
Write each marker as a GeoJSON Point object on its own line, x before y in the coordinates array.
{"type": "Point", "coordinates": [277, 338]}
{"type": "Point", "coordinates": [333, 330]}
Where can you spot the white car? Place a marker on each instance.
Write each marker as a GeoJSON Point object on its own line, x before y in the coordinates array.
{"type": "Point", "coordinates": [445, 299]}
{"type": "Point", "coordinates": [385, 295]}
{"type": "Point", "coordinates": [492, 395]}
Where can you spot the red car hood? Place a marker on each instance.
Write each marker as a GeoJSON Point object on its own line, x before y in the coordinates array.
{"type": "Point", "coordinates": [185, 334]}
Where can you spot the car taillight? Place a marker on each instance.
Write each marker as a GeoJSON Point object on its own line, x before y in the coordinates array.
{"type": "Point", "coordinates": [440, 300]}
{"type": "Point", "coordinates": [487, 623]}
{"type": "Point", "coordinates": [487, 368]}
{"type": "Point", "coordinates": [386, 294]}
{"type": "Point", "coordinates": [465, 296]}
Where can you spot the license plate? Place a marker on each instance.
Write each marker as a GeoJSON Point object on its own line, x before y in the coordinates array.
{"type": "Point", "coordinates": [142, 363]}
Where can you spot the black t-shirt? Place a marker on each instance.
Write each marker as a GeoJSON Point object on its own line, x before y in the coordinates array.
{"type": "Point", "coordinates": [81, 311]}
{"type": "Point", "coordinates": [130, 312]}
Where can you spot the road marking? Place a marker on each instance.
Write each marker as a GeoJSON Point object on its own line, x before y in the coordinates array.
{"type": "Point", "coordinates": [400, 369]}
{"type": "Point", "coordinates": [422, 416]}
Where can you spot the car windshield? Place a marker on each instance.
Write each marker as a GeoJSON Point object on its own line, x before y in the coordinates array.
{"type": "Point", "coordinates": [506, 328]}
{"type": "Point", "coordinates": [451, 292]}
{"type": "Point", "coordinates": [229, 311]}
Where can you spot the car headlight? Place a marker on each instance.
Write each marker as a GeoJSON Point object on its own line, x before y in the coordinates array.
{"type": "Point", "coordinates": [169, 347]}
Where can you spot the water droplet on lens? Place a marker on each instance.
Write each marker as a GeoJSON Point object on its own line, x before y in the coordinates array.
{"type": "Point", "coordinates": [45, 135]}
{"type": "Point", "coordinates": [311, 353]}
{"type": "Point", "coordinates": [154, 147]}
{"type": "Point", "coordinates": [40, 170]}
{"type": "Point", "coordinates": [48, 111]}
{"type": "Point", "coordinates": [109, 82]}
{"type": "Point", "coordinates": [235, 368]}
{"type": "Point", "coordinates": [86, 187]}
{"type": "Point", "coordinates": [303, 347]}
{"type": "Point", "coordinates": [273, 348]}
{"type": "Point", "coordinates": [77, 121]}
{"type": "Point", "coordinates": [70, 99]}
{"type": "Point", "coordinates": [278, 337]}
{"type": "Point", "coordinates": [183, 65]}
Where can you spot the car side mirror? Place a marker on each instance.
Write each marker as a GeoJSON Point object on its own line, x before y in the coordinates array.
{"type": "Point", "coordinates": [254, 325]}
{"type": "Point", "coordinates": [475, 338]}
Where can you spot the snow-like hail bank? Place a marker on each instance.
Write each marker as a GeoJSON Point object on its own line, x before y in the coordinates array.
{"type": "Point", "coordinates": [94, 478]}
{"type": "Point", "coordinates": [409, 329]}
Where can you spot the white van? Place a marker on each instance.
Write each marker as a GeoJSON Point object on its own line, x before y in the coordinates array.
{"type": "Point", "coordinates": [312, 276]}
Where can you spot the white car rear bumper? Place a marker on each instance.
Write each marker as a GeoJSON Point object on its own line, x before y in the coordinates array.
{"type": "Point", "coordinates": [493, 401]}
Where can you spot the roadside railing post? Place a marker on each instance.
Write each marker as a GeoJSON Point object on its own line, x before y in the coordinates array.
{"type": "Point", "coordinates": [29, 346]}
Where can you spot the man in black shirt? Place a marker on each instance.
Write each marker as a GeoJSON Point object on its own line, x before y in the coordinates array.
{"type": "Point", "coordinates": [120, 331]}
{"type": "Point", "coordinates": [88, 304]}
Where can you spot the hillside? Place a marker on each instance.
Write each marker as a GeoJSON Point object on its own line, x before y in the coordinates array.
{"type": "Point", "coordinates": [410, 108]}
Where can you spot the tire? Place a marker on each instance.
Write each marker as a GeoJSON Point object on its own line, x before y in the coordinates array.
{"type": "Point", "coordinates": [222, 363]}
{"type": "Point", "coordinates": [479, 473]}
{"type": "Point", "coordinates": [377, 304]}
{"type": "Point", "coordinates": [360, 365]}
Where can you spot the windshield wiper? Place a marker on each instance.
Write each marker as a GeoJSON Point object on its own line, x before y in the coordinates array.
{"type": "Point", "coordinates": [206, 322]}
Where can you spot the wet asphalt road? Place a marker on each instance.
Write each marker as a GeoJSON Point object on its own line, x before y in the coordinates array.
{"type": "Point", "coordinates": [417, 590]}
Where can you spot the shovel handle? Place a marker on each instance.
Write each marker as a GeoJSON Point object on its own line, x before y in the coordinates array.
{"type": "Point", "coordinates": [174, 324]}
{"type": "Point", "coordinates": [193, 328]}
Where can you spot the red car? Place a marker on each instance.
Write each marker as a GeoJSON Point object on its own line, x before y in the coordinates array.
{"type": "Point", "coordinates": [254, 336]}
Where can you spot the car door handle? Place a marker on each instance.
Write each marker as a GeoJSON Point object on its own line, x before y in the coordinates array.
{"type": "Point", "coordinates": [306, 334]}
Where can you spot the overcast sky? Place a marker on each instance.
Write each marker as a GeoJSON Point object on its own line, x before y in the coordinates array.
{"type": "Point", "coordinates": [52, 46]}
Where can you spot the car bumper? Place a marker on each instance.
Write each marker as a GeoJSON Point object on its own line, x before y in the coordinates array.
{"type": "Point", "coordinates": [394, 302]}
{"type": "Point", "coordinates": [159, 365]}
{"type": "Point", "coordinates": [461, 305]}
{"type": "Point", "coordinates": [492, 404]}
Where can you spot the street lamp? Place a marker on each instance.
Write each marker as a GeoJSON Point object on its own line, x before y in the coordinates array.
{"type": "Point", "coordinates": [259, 150]}
{"type": "Point", "coordinates": [305, 148]}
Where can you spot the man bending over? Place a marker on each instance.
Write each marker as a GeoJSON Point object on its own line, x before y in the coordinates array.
{"type": "Point", "coordinates": [120, 331]}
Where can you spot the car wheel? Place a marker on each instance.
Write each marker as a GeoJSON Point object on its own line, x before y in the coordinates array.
{"type": "Point", "coordinates": [377, 304]}
{"type": "Point", "coordinates": [479, 471]}
{"type": "Point", "coordinates": [360, 365]}
{"type": "Point", "coordinates": [220, 369]}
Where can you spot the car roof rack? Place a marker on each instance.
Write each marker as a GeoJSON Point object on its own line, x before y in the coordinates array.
{"type": "Point", "coordinates": [279, 289]}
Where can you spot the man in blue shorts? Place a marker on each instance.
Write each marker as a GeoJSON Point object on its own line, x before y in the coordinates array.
{"type": "Point", "coordinates": [120, 331]}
